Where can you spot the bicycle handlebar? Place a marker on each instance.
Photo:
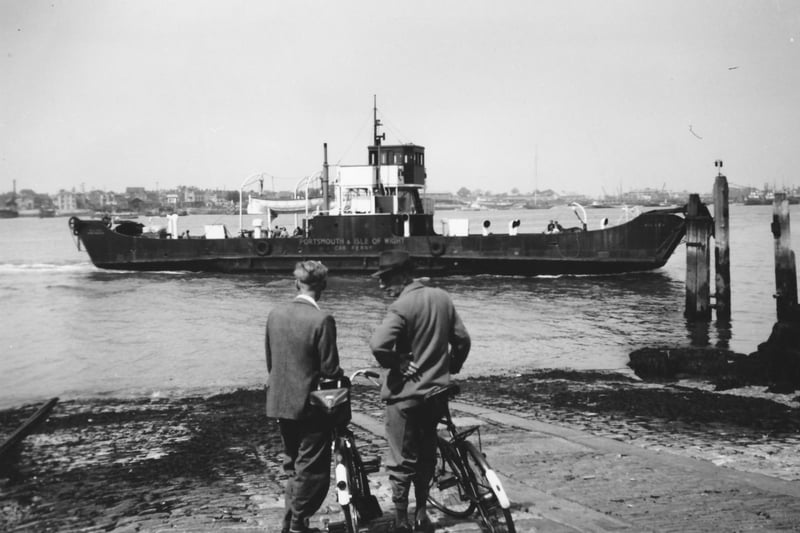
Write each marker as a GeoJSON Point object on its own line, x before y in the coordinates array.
{"type": "Point", "coordinates": [371, 375]}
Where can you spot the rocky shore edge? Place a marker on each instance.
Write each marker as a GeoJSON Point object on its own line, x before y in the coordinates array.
{"type": "Point", "coordinates": [775, 364]}
{"type": "Point", "coordinates": [110, 464]}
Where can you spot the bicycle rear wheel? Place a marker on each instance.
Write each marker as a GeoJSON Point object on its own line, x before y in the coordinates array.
{"type": "Point", "coordinates": [446, 490]}
{"type": "Point", "coordinates": [347, 485]}
{"type": "Point", "coordinates": [491, 495]}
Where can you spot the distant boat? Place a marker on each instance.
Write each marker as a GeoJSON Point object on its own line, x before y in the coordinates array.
{"type": "Point", "coordinates": [41, 212]}
{"type": "Point", "coordinates": [767, 197]}
{"type": "Point", "coordinates": [364, 210]}
{"type": "Point", "coordinates": [537, 205]}
{"type": "Point", "coordinates": [496, 204]}
{"type": "Point", "coordinates": [759, 198]}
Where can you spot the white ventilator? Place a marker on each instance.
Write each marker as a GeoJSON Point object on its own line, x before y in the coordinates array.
{"type": "Point", "coordinates": [497, 488]}
{"type": "Point", "coordinates": [172, 225]}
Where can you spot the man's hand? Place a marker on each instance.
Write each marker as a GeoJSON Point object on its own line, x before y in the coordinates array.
{"type": "Point", "coordinates": [410, 370]}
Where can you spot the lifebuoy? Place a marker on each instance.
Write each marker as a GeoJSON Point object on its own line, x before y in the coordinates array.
{"type": "Point", "coordinates": [262, 248]}
{"type": "Point", "coordinates": [437, 248]}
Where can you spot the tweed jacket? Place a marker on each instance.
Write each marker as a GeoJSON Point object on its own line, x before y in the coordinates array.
{"type": "Point", "coordinates": [424, 323]}
{"type": "Point", "coordinates": [300, 345]}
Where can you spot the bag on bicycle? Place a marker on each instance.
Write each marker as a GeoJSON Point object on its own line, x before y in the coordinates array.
{"type": "Point", "coordinates": [332, 397]}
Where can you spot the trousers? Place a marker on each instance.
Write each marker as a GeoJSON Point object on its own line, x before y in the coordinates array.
{"type": "Point", "coordinates": [411, 435]}
{"type": "Point", "coordinates": [307, 445]}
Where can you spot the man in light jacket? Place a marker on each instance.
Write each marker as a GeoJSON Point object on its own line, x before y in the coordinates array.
{"type": "Point", "coordinates": [422, 341]}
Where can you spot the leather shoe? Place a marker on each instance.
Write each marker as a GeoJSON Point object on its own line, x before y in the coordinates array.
{"type": "Point", "coordinates": [306, 530]}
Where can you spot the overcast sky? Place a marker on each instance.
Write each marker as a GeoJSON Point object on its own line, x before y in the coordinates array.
{"type": "Point", "coordinates": [581, 96]}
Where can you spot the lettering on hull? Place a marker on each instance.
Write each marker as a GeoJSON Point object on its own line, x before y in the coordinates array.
{"type": "Point", "coordinates": [356, 244]}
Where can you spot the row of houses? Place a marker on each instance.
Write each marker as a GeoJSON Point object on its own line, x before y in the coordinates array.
{"type": "Point", "coordinates": [140, 200]}
{"type": "Point", "coordinates": [135, 199]}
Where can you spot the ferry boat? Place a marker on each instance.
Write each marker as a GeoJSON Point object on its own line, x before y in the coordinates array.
{"type": "Point", "coordinates": [369, 208]}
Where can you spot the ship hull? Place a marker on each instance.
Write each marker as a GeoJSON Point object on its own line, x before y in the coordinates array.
{"type": "Point", "coordinates": [353, 244]}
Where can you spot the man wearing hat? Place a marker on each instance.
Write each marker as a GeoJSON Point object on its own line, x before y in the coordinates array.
{"type": "Point", "coordinates": [422, 340]}
{"type": "Point", "coordinates": [301, 350]}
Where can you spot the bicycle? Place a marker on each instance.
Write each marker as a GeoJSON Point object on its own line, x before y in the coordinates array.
{"type": "Point", "coordinates": [358, 504]}
{"type": "Point", "coordinates": [463, 481]}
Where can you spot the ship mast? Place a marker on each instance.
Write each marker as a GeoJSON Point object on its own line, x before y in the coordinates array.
{"type": "Point", "coordinates": [377, 138]}
{"type": "Point", "coordinates": [376, 123]}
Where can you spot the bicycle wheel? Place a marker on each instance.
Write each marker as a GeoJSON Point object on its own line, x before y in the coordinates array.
{"type": "Point", "coordinates": [492, 500]}
{"type": "Point", "coordinates": [446, 491]}
{"type": "Point", "coordinates": [345, 487]}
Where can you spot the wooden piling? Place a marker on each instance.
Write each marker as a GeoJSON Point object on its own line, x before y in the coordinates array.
{"type": "Point", "coordinates": [785, 272]}
{"type": "Point", "coordinates": [698, 227]}
{"type": "Point", "coordinates": [722, 257]}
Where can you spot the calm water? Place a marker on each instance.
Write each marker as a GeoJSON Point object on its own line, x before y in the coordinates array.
{"type": "Point", "coordinates": [71, 330]}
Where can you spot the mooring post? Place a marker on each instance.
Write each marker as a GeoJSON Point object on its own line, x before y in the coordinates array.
{"type": "Point", "coordinates": [697, 260]}
{"type": "Point", "coordinates": [785, 272]}
{"type": "Point", "coordinates": [722, 255]}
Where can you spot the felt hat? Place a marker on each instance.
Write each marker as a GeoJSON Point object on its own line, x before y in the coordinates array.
{"type": "Point", "coordinates": [392, 260]}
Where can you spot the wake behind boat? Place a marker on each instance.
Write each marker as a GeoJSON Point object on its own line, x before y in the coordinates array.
{"type": "Point", "coordinates": [351, 213]}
